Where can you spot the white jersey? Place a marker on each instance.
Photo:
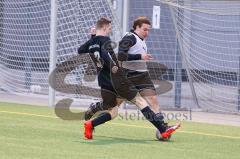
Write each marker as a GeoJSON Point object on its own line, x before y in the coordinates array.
{"type": "Point", "coordinates": [139, 47]}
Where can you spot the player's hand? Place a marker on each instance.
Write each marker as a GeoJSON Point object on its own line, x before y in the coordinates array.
{"type": "Point", "coordinates": [97, 55]}
{"type": "Point", "coordinates": [146, 56]}
{"type": "Point", "coordinates": [93, 31]}
{"type": "Point", "coordinates": [114, 69]}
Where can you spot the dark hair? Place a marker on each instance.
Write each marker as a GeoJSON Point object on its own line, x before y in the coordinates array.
{"type": "Point", "coordinates": [102, 21]}
{"type": "Point", "coordinates": [140, 21]}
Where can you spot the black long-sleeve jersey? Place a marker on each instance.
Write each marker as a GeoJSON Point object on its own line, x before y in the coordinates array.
{"type": "Point", "coordinates": [84, 47]}
{"type": "Point", "coordinates": [101, 45]}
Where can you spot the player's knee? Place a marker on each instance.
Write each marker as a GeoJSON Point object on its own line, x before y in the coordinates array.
{"type": "Point", "coordinates": [154, 99]}
{"type": "Point", "coordinates": [139, 101]}
{"type": "Point", "coordinates": [114, 112]}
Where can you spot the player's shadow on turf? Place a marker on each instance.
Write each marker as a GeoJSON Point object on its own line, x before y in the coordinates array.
{"type": "Point", "coordinates": [106, 140]}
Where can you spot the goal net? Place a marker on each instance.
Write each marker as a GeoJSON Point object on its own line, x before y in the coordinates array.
{"type": "Point", "coordinates": [208, 36]}
{"type": "Point", "coordinates": [197, 45]}
{"type": "Point", "coordinates": [25, 41]}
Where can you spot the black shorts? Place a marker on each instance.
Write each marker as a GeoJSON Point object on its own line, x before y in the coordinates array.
{"type": "Point", "coordinates": [109, 97]}
{"type": "Point", "coordinates": [141, 80]}
{"type": "Point", "coordinates": [124, 87]}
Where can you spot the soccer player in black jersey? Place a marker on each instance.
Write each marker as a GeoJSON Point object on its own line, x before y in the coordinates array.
{"type": "Point", "coordinates": [114, 84]}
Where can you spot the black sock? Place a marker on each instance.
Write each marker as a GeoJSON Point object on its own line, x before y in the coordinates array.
{"type": "Point", "coordinates": [102, 118]}
{"type": "Point", "coordinates": [160, 115]}
{"type": "Point", "coordinates": [156, 119]}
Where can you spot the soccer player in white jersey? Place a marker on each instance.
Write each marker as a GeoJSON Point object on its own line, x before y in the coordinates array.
{"type": "Point", "coordinates": [133, 53]}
